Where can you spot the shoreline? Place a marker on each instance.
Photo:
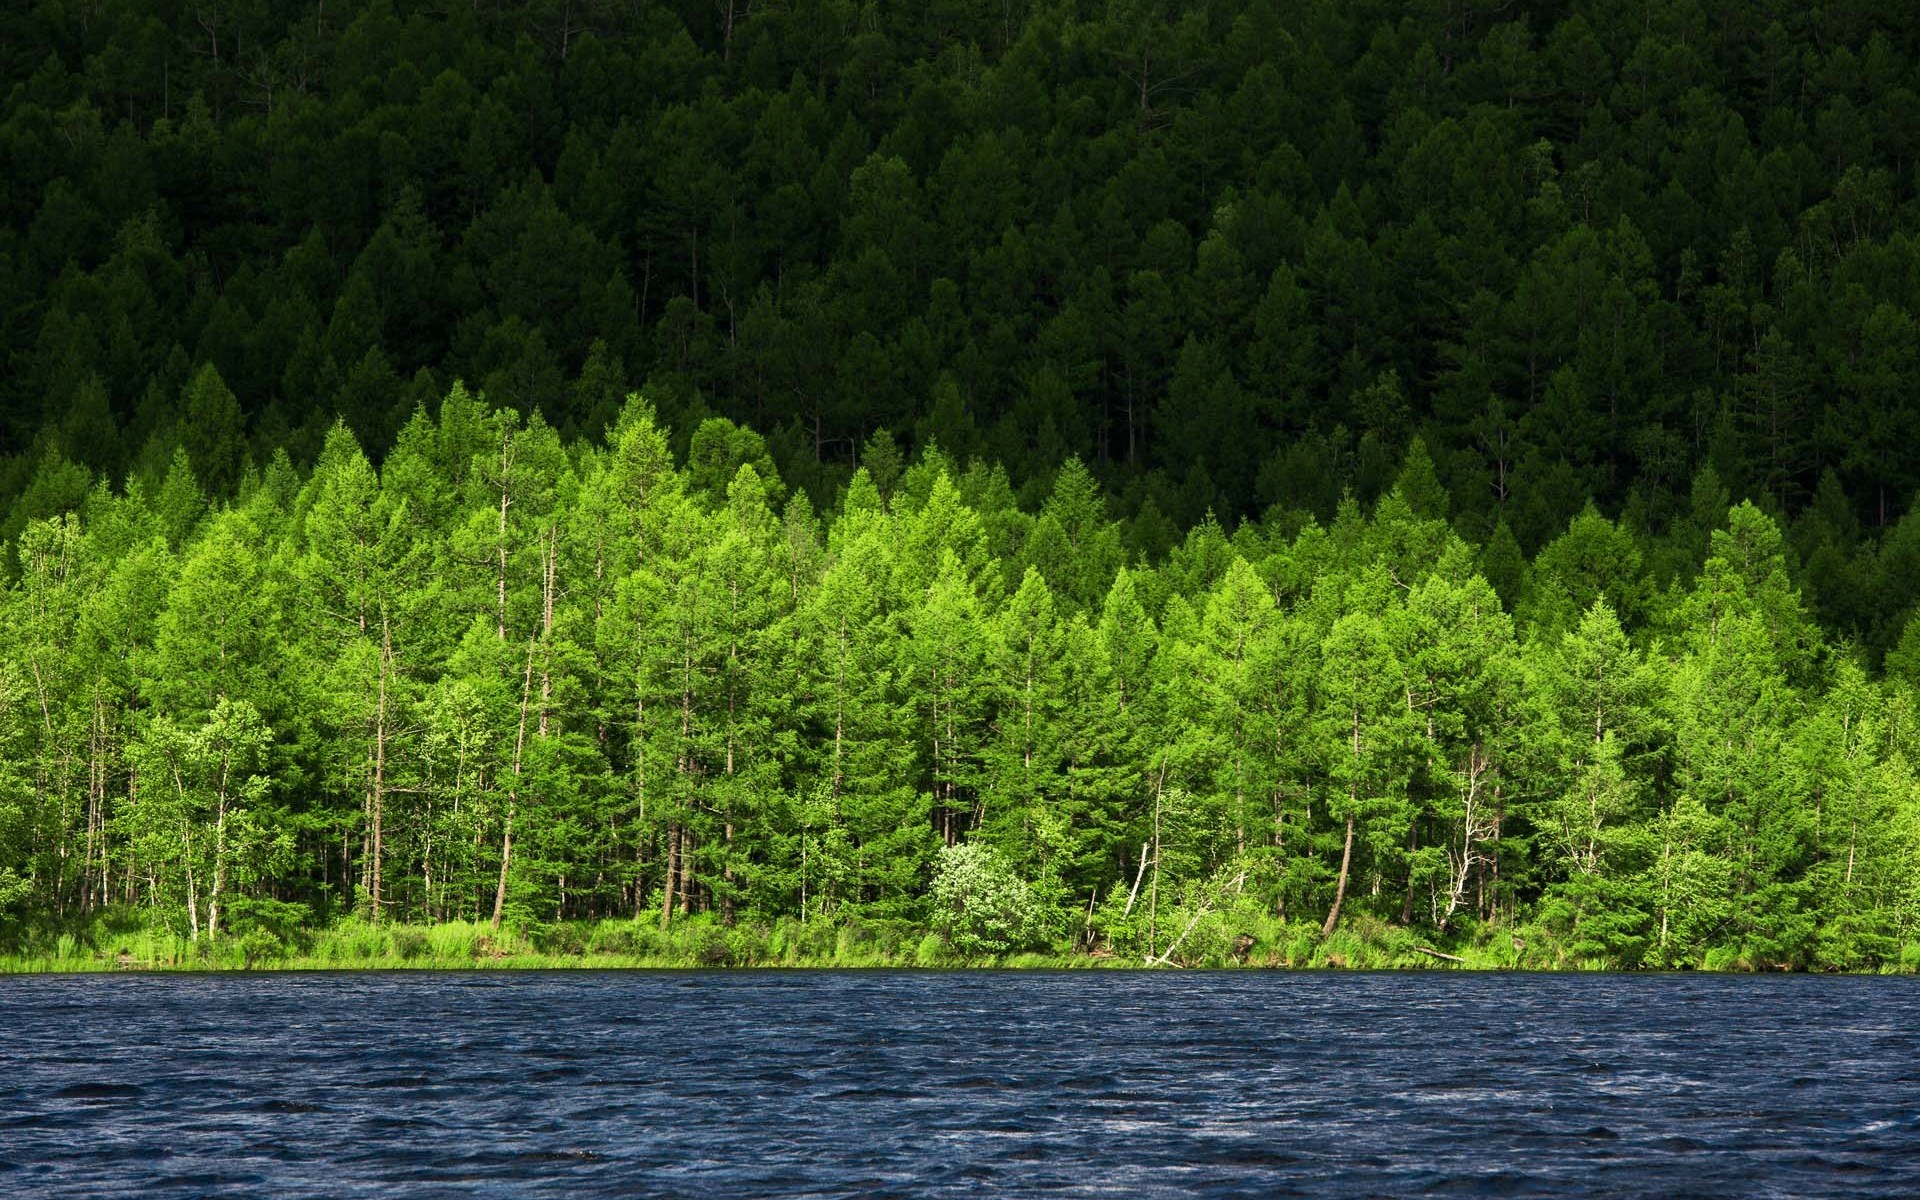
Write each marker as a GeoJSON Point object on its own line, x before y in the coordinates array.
{"type": "Point", "coordinates": [353, 945]}
{"type": "Point", "coordinates": [538, 964]}
{"type": "Point", "coordinates": [10, 970]}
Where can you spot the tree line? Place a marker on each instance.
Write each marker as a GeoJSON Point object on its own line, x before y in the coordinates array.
{"type": "Point", "coordinates": [503, 676]}
{"type": "Point", "coordinates": [1231, 254]}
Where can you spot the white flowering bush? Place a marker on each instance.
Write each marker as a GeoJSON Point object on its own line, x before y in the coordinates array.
{"type": "Point", "coordinates": [980, 906]}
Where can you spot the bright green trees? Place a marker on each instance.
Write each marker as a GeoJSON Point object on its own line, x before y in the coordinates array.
{"type": "Point", "coordinates": [503, 678]}
{"type": "Point", "coordinates": [1745, 575]}
{"type": "Point", "coordinates": [202, 824]}
{"type": "Point", "coordinates": [511, 544]}
{"type": "Point", "coordinates": [755, 605]}
{"type": "Point", "coordinates": [349, 587]}
{"type": "Point", "coordinates": [1231, 681]}
{"type": "Point", "coordinates": [944, 677]}
{"type": "Point", "coordinates": [1084, 550]}
{"type": "Point", "coordinates": [684, 740]}
{"type": "Point", "coordinates": [1462, 684]}
{"type": "Point", "coordinates": [57, 765]}
{"type": "Point", "coordinates": [19, 895]}
{"type": "Point", "coordinates": [1022, 809]}
{"type": "Point", "coordinates": [1593, 560]}
{"type": "Point", "coordinates": [1593, 814]}
{"type": "Point", "coordinates": [114, 648]}
{"type": "Point", "coordinates": [1364, 729]}
{"type": "Point", "coordinates": [1864, 803]}
{"type": "Point", "coordinates": [697, 621]}
{"type": "Point", "coordinates": [1116, 737]}
{"type": "Point", "coordinates": [634, 502]}
{"type": "Point", "coordinates": [475, 747]}
{"type": "Point", "coordinates": [218, 635]}
{"type": "Point", "coordinates": [458, 751]}
{"type": "Point", "coordinates": [1735, 698]}
{"type": "Point", "coordinates": [1242, 699]}
{"type": "Point", "coordinates": [864, 828]}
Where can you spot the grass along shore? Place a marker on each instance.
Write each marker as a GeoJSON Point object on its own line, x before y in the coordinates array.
{"type": "Point", "coordinates": [354, 944]}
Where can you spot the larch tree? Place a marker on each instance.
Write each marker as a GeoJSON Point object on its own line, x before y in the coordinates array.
{"type": "Point", "coordinates": [1365, 728]}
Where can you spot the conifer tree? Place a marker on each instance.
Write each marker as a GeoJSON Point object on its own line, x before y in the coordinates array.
{"type": "Point", "coordinates": [1364, 729]}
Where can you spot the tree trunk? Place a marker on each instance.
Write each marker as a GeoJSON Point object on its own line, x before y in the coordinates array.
{"type": "Point", "coordinates": [506, 857]}
{"type": "Point", "coordinates": [1406, 902]}
{"type": "Point", "coordinates": [1137, 875]}
{"type": "Point", "coordinates": [686, 870]}
{"type": "Point", "coordinates": [219, 867]}
{"type": "Point", "coordinates": [193, 892]}
{"type": "Point", "coordinates": [1153, 888]}
{"type": "Point", "coordinates": [549, 572]}
{"type": "Point", "coordinates": [513, 792]}
{"type": "Point", "coordinates": [673, 867]}
{"type": "Point", "coordinates": [96, 808]}
{"type": "Point", "coordinates": [1340, 888]}
{"type": "Point", "coordinates": [500, 542]}
{"type": "Point", "coordinates": [380, 766]}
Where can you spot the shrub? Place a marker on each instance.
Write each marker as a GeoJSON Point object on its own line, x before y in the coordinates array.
{"type": "Point", "coordinates": [628, 939]}
{"type": "Point", "coordinates": [930, 949]}
{"type": "Point", "coordinates": [778, 939]}
{"type": "Point", "coordinates": [814, 939]}
{"type": "Point", "coordinates": [257, 946]}
{"type": "Point", "coordinates": [711, 947]}
{"type": "Point", "coordinates": [1120, 923]}
{"type": "Point", "coordinates": [1724, 958]}
{"type": "Point", "coordinates": [559, 939]}
{"type": "Point", "coordinates": [979, 905]}
{"type": "Point", "coordinates": [279, 918]}
{"type": "Point", "coordinates": [745, 944]}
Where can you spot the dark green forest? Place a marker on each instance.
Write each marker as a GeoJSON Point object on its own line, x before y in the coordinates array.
{"type": "Point", "coordinates": [1043, 475]}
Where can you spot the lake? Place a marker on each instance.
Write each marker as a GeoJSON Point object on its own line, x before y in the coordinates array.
{"type": "Point", "coordinates": [871, 1083]}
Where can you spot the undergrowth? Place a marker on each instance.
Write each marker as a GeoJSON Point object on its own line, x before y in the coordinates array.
{"type": "Point", "coordinates": [1219, 940]}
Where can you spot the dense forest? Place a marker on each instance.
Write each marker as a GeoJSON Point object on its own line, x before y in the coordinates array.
{"type": "Point", "coordinates": [1066, 463]}
{"type": "Point", "coordinates": [507, 676]}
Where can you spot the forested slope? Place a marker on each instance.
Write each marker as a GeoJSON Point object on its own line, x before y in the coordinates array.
{"type": "Point", "coordinates": [504, 676]}
{"type": "Point", "coordinates": [1142, 442]}
{"type": "Point", "coordinates": [1231, 254]}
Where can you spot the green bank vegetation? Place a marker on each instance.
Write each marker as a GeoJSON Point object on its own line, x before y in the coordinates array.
{"type": "Point", "coordinates": [510, 681]}
{"type": "Point", "coordinates": [1242, 939]}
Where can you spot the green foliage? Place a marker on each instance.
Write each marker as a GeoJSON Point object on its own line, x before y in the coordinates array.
{"type": "Point", "coordinates": [979, 905]}
{"type": "Point", "coordinates": [503, 700]}
{"type": "Point", "coordinates": [411, 944]}
{"type": "Point", "coordinates": [1451, 469]}
{"type": "Point", "coordinates": [1569, 254]}
{"type": "Point", "coordinates": [257, 946]}
{"type": "Point", "coordinates": [281, 921]}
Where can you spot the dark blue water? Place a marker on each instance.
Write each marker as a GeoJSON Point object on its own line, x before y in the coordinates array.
{"type": "Point", "coordinates": [882, 1083]}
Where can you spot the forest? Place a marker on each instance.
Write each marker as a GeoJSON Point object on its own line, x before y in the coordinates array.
{"type": "Point", "coordinates": [505, 676]}
{"type": "Point", "coordinates": [1039, 475]}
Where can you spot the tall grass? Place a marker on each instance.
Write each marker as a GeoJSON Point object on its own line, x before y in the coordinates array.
{"type": "Point", "coordinates": [1224, 940]}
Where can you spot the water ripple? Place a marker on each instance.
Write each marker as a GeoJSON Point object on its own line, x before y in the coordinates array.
{"type": "Point", "coordinates": [897, 1083]}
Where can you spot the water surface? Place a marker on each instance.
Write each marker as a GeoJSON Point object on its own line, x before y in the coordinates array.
{"type": "Point", "coordinates": [851, 1083]}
